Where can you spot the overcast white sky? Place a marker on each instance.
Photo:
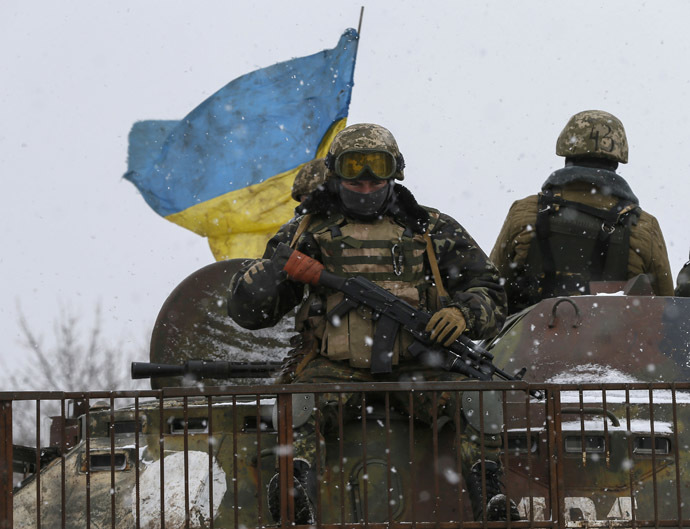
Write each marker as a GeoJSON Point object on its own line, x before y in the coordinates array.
{"type": "Point", "coordinates": [475, 92]}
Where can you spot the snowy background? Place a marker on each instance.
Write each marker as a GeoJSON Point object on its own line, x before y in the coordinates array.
{"type": "Point", "coordinates": [476, 94]}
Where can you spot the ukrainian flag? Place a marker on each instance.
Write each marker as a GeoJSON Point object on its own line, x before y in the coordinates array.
{"type": "Point", "coordinates": [226, 170]}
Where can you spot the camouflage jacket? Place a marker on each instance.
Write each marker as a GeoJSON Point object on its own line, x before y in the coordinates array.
{"type": "Point", "coordinates": [647, 253]}
{"type": "Point", "coordinates": [470, 278]}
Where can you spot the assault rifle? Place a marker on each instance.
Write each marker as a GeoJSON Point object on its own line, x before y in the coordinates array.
{"type": "Point", "coordinates": [391, 313]}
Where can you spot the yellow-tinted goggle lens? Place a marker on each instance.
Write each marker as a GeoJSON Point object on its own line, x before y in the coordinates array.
{"type": "Point", "coordinates": [352, 164]}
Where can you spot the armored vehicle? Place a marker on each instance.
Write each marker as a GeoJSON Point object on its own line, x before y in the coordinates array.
{"type": "Point", "coordinates": [605, 445]}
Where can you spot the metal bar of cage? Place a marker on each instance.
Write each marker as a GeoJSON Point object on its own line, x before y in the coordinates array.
{"type": "Point", "coordinates": [553, 431]}
{"type": "Point", "coordinates": [6, 466]}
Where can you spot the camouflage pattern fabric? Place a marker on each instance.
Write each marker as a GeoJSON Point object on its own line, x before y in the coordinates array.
{"type": "Point", "coordinates": [594, 134]}
{"type": "Point", "coordinates": [324, 371]}
{"type": "Point", "coordinates": [311, 176]}
{"type": "Point", "coordinates": [470, 278]}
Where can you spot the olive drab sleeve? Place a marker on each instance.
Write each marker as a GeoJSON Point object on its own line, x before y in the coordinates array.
{"type": "Point", "coordinates": [471, 279]}
{"type": "Point", "coordinates": [513, 242]}
{"type": "Point", "coordinates": [262, 298]}
{"type": "Point", "coordinates": [511, 249]}
{"type": "Point", "coordinates": [648, 255]}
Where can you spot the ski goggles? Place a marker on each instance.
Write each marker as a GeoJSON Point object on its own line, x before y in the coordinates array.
{"type": "Point", "coordinates": [352, 164]}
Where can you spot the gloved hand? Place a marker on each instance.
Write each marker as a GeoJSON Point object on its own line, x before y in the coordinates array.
{"type": "Point", "coordinates": [257, 270]}
{"type": "Point", "coordinates": [269, 271]}
{"type": "Point", "coordinates": [446, 325]}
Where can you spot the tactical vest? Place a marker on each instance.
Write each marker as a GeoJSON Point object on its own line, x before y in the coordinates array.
{"type": "Point", "coordinates": [575, 244]}
{"type": "Point", "coordinates": [383, 251]}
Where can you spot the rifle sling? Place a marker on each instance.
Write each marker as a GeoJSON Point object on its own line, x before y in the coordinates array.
{"type": "Point", "coordinates": [442, 293]}
{"type": "Point", "coordinates": [303, 225]}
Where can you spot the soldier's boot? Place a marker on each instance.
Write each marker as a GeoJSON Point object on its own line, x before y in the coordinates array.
{"type": "Point", "coordinates": [302, 492]}
{"type": "Point", "coordinates": [496, 505]}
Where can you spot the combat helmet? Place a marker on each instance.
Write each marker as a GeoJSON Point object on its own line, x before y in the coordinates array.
{"type": "Point", "coordinates": [595, 134]}
{"type": "Point", "coordinates": [366, 138]}
{"type": "Point", "coordinates": [310, 176]}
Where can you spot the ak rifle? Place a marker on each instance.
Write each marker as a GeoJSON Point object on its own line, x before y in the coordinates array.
{"type": "Point", "coordinates": [391, 313]}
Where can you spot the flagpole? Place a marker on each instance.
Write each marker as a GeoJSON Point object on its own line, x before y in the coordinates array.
{"type": "Point", "coordinates": [359, 26]}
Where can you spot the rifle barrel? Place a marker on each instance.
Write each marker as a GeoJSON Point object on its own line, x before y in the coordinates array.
{"type": "Point", "coordinates": [147, 370]}
{"type": "Point", "coordinates": [200, 369]}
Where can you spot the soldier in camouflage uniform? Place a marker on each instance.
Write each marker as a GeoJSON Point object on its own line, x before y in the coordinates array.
{"type": "Point", "coordinates": [363, 223]}
{"type": "Point", "coordinates": [585, 225]}
{"type": "Point", "coordinates": [310, 176]}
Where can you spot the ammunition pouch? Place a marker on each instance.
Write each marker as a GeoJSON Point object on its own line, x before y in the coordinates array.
{"type": "Point", "coordinates": [305, 349]}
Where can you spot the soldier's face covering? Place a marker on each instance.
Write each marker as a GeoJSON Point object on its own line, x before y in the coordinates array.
{"type": "Point", "coordinates": [370, 202]}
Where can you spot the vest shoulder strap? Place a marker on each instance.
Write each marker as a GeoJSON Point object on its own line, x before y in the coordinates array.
{"type": "Point", "coordinates": [434, 216]}
{"type": "Point", "coordinates": [551, 201]}
{"type": "Point", "coordinates": [301, 228]}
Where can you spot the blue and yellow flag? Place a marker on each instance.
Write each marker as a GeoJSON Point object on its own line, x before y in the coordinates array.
{"type": "Point", "coordinates": [226, 170]}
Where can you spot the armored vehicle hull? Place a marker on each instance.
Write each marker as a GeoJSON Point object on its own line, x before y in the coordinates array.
{"type": "Point", "coordinates": [605, 447]}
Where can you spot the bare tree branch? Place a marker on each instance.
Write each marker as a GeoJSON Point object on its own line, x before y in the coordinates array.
{"type": "Point", "coordinates": [76, 360]}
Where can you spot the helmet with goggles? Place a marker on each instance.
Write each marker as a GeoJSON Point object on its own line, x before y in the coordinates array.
{"type": "Point", "coordinates": [365, 149]}
{"type": "Point", "coordinates": [355, 163]}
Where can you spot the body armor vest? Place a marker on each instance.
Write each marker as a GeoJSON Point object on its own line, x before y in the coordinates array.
{"type": "Point", "coordinates": [382, 251]}
{"type": "Point", "coordinates": [576, 243]}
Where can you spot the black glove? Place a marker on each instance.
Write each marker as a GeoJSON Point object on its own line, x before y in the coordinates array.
{"type": "Point", "coordinates": [281, 255]}
{"type": "Point", "coordinates": [267, 273]}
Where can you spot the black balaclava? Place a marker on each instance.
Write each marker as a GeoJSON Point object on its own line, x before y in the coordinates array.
{"type": "Point", "coordinates": [365, 206]}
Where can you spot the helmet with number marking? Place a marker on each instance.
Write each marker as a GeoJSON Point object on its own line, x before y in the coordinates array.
{"type": "Point", "coordinates": [594, 134]}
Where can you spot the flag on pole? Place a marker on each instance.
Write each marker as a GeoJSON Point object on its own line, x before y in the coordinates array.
{"type": "Point", "coordinates": [226, 170]}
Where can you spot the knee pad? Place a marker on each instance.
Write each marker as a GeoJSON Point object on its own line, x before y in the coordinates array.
{"type": "Point", "coordinates": [302, 409]}
{"type": "Point", "coordinates": [492, 411]}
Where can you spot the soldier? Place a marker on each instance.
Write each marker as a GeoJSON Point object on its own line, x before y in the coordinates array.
{"type": "Point", "coordinates": [310, 176]}
{"type": "Point", "coordinates": [585, 225]}
{"type": "Point", "coordinates": [362, 223]}
{"type": "Point", "coordinates": [683, 282]}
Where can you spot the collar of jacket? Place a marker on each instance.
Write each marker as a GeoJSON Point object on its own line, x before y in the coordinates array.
{"type": "Point", "coordinates": [403, 207]}
{"type": "Point", "coordinates": [607, 181]}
